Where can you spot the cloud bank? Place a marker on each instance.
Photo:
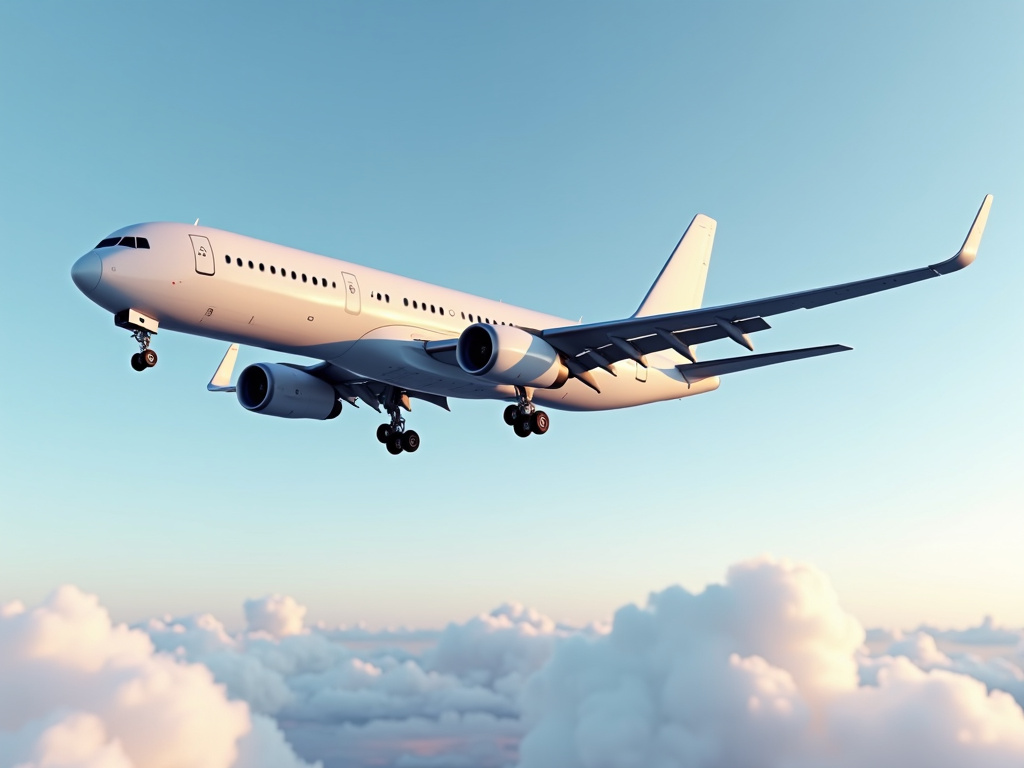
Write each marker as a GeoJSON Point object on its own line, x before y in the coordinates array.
{"type": "Point", "coordinates": [77, 690]}
{"type": "Point", "coordinates": [764, 670]}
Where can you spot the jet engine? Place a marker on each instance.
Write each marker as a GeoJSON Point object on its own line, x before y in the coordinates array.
{"type": "Point", "coordinates": [508, 355]}
{"type": "Point", "coordinates": [280, 390]}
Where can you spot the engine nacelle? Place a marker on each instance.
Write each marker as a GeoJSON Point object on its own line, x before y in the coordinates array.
{"type": "Point", "coordinates": [280, 390]}
{"type": "Point", "coordinates": [508, 355]}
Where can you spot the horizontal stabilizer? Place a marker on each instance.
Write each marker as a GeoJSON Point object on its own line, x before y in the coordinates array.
{"type": "Point", "coordinates": [221, 381]}
{"type": "Point", "coordinates": [699, 371]}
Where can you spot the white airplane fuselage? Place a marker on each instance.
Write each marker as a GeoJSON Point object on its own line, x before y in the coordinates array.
{"type": "Point", "coordinates": [369, 323]}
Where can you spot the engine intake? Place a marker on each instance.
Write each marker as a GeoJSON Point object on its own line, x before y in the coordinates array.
{"type": "Point", "coordinates": [508, 355]}
{"type": "Point", "coordinates": [280, 390]}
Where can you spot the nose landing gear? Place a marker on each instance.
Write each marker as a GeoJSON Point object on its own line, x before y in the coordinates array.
{"type": "Point", "coordinates": [145, 357]}
{"type": "Point", "coordinates": [524, 418]}
{"type": "Point", "coordinates": [395, 437]}
{"type": "Point", "coordinates": [142, 328]}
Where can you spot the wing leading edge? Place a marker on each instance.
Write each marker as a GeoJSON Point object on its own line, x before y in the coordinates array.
{"type": "Point", "coordinates": [597, 345]}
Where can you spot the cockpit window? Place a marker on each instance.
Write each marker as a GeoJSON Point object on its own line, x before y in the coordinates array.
{"type": "Point", "coordinates": [128, 242]}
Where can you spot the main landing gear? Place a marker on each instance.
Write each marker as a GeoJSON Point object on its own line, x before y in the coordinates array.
{"type": "Point", "coordinates": [145, 357]}
{"type": "Point", "coordinates": [395, 436]}
{"type": "Point", "coordinates": [524, 418]}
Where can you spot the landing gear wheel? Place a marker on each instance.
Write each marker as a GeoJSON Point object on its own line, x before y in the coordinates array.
{"type": "Point", "coordinates": [137, 363]}
{"type": "Point", "coordinates": [410, 441]}
{"type": "Point", "coordinates": [149, 358]}
{"type": "Point", "coordinates": [522, 427]}
{"type": "Point", "coordinates": [394, 443]}
{"type": "Point", "coordinates": [383, 433]}
{"type": "Point", "coordinates": [511, 414]}
{"type": "Point", "coordinates": [539, 422]}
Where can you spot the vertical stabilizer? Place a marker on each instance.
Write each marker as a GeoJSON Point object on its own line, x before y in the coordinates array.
{"type": "Point", "coordinates": [680, 286]}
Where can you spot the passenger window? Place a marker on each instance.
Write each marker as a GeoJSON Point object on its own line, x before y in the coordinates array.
{"type": "Point", "coordinates": [314, 280]}
{"type": "Point", "coordinates": [239, 262]}
{"type": "Point", "coordinates": [141, 242]}
{"type": "Point", "coordinates": [227, 259]}
{"type": "Point", "coordinates": [463, 315]}
{"type": "Point", "coordinates": [261, 267]}
{"type": "Point", "coordinates": [378, 297]}
{"type": "Point", "coordinates": [129, 241]}
{"type": "Point", "coordinates": [250, 265]}
{"type": "Point", "coordinates": [109, 241]}
{"type": "Point", "coordinates": [406, 302]}
{"type": "Point", "coordinates": [387, 299]}
{"type": "Point", "coordinates": [415, 305]}
{"type": "Point", "coordinates": [432, 310]}
{"type": "Point", "coordinates": [272, 270]}
{"type": "Point", "coordinates": [303, 277]}
{"type": "Point", "coordinates": [333, 284]}
{"type": "Point", "coordinates": [441, 310]}
{"type": "Point", "coordinates": [323, 281]}
{"type": "Point", "coordinates": [294, 276]}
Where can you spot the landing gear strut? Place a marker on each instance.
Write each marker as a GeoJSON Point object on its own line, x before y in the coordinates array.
{"type": "Point", "coordinates": [395, 436]}
{"type": "Point", "coordinates": [524, 418]}
{"type": "Point", "coordinates": [145, 357]}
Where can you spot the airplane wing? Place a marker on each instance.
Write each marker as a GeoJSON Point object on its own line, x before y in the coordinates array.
{"type": "Point", "coordinates": [598, 345]}
{"type": "Point", "coordinates": [373, 393]}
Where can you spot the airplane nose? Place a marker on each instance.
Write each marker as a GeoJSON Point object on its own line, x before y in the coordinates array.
{"type": "Point", "coordinates": [86, 273]}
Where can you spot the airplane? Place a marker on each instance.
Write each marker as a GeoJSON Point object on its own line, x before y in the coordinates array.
{"type": "Point", "coordinates": [385, 340]}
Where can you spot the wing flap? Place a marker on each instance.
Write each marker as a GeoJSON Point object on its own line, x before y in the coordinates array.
{"type": "Point", "coordinates": [699, 371]}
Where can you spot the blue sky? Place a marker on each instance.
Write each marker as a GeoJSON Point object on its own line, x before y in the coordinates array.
{"type": "Point", "coordinates": [549, 156]}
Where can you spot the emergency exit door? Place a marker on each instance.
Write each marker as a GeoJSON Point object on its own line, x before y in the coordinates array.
{"type": "Point", "coordinates": [204, 255]}
{"type": "Point", "coordinates": [351, 293]}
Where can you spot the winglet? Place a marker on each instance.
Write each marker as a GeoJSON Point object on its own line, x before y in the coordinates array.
{"type": "Point", "coordinates": [969, 250]}
{"type": "Point", "coordinates": [221, 381]}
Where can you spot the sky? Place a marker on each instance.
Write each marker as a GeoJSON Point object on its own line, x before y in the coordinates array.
{"type": "Point", "coordinates": [548, 155]}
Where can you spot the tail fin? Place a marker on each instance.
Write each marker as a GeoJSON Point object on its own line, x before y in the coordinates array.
{"type": "Point", "coordinates": [680, 286]}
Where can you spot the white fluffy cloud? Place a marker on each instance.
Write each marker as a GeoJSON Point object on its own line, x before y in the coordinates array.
{"type": "Point", "coordinates": [276, 615]}
{"type": "Point", "coordinates": [766, 670]}
{"type": "Point", "coordinates": [761, 671]}
{"type": "Point", "coordinates": [78, 690]}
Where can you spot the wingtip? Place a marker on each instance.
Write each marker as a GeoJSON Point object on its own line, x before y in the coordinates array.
{"type": "Point", "coordinates": [969, 250]}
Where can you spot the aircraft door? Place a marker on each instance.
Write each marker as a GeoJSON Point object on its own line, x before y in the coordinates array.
{"type": "Point", "coordinates": [204, 255]}
{"type": "Point", "coordinates": [351, 293]}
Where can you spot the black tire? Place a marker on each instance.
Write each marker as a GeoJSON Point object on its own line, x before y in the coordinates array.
{"type": "Point", "coordinates": [522, 427]}
{"type": "Point", "coordinates": [539, 422]}
{"type": "Point", "coordinates": [149, 358]}
{"type": "Point", "coordinates": [511, 414]}
{"type": "Point", "coordinates": [394, 443]}
{"type": "Point", "coordinates": [383, 433]}
{"type": "Point", "coordinates": [137, 363]}
{"type": "Point", "coordinates": [410, 441]}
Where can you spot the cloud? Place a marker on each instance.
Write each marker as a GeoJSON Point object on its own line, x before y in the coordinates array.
{"type": "Point", "coordinates": [277, 616]}
{"type": "Point", "coordinates": [761, 671]}
{"type": "Point", "coordinates": [986, 633]}
{"type": "Point", "coordinates": [996, 673]}
{"type": "Point", "coordinates": [765, 670]}
{"type": "Point", "coordinates": [80, 691]}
